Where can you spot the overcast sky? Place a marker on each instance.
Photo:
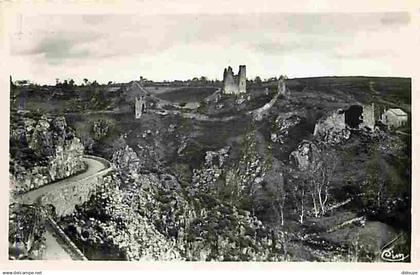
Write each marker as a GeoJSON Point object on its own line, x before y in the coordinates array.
{"type": "Point", "coordinates": [122, 47]}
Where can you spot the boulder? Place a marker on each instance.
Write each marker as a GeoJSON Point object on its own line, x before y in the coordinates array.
{"type": "Point", "coordinates": [305, 155]}
{"type": "Point", "coordinates": [282, 125]}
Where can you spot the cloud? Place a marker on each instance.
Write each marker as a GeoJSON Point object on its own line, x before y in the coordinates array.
{"type": "Point", "coordinates": [184, 46]}
{"type": "Point", "coordinates": [56, 48]}
{"type": "Point", "coordinates": [283, 47]}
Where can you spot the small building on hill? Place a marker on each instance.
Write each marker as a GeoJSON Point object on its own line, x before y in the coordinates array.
{"type": "Point", "coordinates": [394, 118]}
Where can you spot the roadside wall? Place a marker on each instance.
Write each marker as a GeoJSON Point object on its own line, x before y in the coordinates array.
{"type": "Point", "coordinates": [65, 198]}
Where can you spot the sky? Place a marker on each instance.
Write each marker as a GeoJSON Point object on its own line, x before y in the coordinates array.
{"type": "Point", "coordinates": [123, 47]}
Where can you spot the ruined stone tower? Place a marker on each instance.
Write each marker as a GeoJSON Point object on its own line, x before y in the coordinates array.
{"type": "Point", "coordinates": [242, 79]}
{"type": "Point", "coordinates": [234, 84]}
{"type": "Point", "coordinates": [281, 86]}
{"type": "Point", "coordinates": [229, 86]}
{"type": "Point", "coordinates": [368, 116]}
{"type": "Point", "coordinates": [140, 106]}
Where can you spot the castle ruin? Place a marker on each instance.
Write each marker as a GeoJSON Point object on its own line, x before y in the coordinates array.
{"type": "Point", "coordinates": [234, 84]}
{"type": "Point", "coordinates": [281, 86]}
{"type": "Point", "coordinates": [140, 106]}
{"type": "Point", "coordinates": [368, 116]}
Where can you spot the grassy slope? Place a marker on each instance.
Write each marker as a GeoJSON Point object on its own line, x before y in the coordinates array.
{"type": "Point", "coordinates": [185, 94]}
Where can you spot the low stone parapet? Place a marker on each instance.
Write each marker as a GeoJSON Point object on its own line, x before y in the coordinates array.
{"type": "Point", "coordinates": [74, 250]}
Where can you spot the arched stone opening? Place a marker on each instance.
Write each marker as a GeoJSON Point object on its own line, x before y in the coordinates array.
{"type": "Point", "coordinates": [353, 115]}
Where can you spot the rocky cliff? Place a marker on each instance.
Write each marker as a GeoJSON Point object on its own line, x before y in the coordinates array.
{"type": "Point", "coordinates": [42, 150]}
{"type": "Point", "coordinates": [26, 232]}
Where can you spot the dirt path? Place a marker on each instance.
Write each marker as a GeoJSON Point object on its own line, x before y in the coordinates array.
{"type": "Point", "coordinates": [406, 107]}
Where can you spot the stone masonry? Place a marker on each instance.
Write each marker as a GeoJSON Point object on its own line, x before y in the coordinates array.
{"type": "Point", "coordinates": [368, 116]}
{"type": "Point", "coordinates": [234, 84]}
{"type": "Point", "coordinates": [65, 195]}
{"type": "Point", "coordinates": [281, 87]}
{"type": "Point", "coordinates": [140, 106]}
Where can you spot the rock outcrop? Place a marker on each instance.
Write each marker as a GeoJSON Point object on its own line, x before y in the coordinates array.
{"type": "Point", "coordinates": [282, 125]}
{"type": "Point", "coordinates": [26, 232]}
{"type": "Point", "coordinates": [306, 154]}
{"type": "Point", "coordinates": [101, 128]}
{"type": "Point", "coordinates": [126, 160]}
{"type": "Point", "coordinates": [43, 150]}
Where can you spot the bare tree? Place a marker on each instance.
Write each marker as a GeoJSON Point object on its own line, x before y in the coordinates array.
{"type": "Point", "coordinates": [298, 191]}
{"type": "Point", "coordinates": [277, 196]}
{"type": "Point", "coordinates": [322, 171]}
{"type": "Point", "coordinates": [311, 185]}
{"type": "Point", "coordinates": [302, 205]}
{"type": "Point", "coordinates": [275, 189]}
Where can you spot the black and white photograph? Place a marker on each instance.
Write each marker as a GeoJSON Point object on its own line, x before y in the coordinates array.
{"type": "Point", "coordinates": [228, 136]}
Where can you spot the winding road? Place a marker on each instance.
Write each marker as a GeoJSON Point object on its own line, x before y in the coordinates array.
{"type": "Point", "coordinates": [58, 246]}
{"type": "Point", "coordinates": [94, 166]}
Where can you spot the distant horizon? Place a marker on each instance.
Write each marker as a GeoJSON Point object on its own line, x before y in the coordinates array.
{"type": "Point", "coordinates": [209, 79]}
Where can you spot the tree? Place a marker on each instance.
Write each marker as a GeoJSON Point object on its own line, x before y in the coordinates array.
{"type": "Point", "coordinates": [86, 81]}
{"type": "Point", "coordinates": [319, 177]}
{"type": "Point", "coordinates": [203, 80]}
{"type": "Point", "coordinates": [298, 191]}
{"type": "Point", "coordinates": [275, 191]}
{"type": "Point", "coordinates": [374, 185]}
{"type": "Point", "coordinates": [257, 80]}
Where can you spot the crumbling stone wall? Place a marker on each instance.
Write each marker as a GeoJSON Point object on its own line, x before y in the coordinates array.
{"type": "Point", "coordinates": [140, 106]}
{"type": "Point", "coordinates": [333, 128]}
{"type": "Point", "coordinates": [242, 79]}
{"type": "Point", "coordinates": [368, 116]}
{"type": "Point", "coordinates": [234, 84]}
{"type": "Point", "coordinates": [230, 86]}
{"type": "Point", "coordinates": [334, 122]}
{"type": "Point", "coordinates": [281, 87]}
